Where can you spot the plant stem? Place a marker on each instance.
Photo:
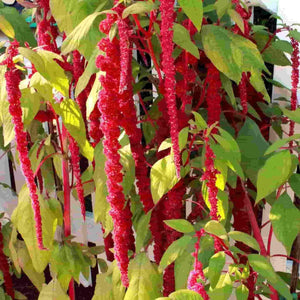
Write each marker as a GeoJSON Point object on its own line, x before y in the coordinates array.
{"type": "Point", "coordinates": [253, 221]}
{"type": "Point", "coordinates": [67, 202]}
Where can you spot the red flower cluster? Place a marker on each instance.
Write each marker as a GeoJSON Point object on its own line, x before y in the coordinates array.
{"type": "Point", "coordinates": [168, 67]}
{"type": "Point", "coordinates": [75, 157]}
{"type": "Point", "coordinates": [184, 65]}
{"type": "Point", "coordinates": [210, 177]}
{"type": "Point", "coordinates": [108, 105]}
{"type": "Point", "coordinates": [197, 272]}
{"type": "Point", "coordinates": [13, 79]}
{"type": "Point", "coordinates": [129, 118]}
{"type": "Point", "coordinates": [243, 93]}
{"type": "Point", "coordinates": [245, 16]}
{"type": "Point", "coordinates": [213, 96]}
{"type": "Point", "coordinates": [46, 31]}
{"type": "Point", "coordinates": [295, 82]}
{"type": "Point", "coordinates": [4, 267]}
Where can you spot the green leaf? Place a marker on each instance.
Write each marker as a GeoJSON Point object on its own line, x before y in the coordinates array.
{"type": "Point", "coordinates": [242, 292]}
{"type": "Point", "coordinates": [200, 122]}
{"type": "Point", "coordinates": [285, 219]}
{"type": "Point", "coordinates": [180, 225]}
{"type": "Point", "coordinates": [163, 177]}
{"type": "Point", "coordinates": [236, 17]}
{"type": "Point", "coordinates": [294, 183]}
{"type": "Point", "coordinates": [143, 233]}
{"type": "Point", "coordinates": [89, 70]}
{"type": "Point", "coordinates": [252, 146]}
{"type": "Point", "coordinates": [244, 238]}
{"type": "Point", "coordinates": [24, 260]}
{"type": "Point", "coordinates": [228, 143]}
{"type": "Point", "coordinates": [144, 279]}
{"type": "Point", "coordinates": [23, 219]}
{"type": "Point", "coordinates": [6, 27]}
{"type": "Point", "coordinates": [101, 206]}
{"type": "Point", "coordinates": [68, 15]}
{"type": "Point", "coordinates": [284, 46]}
{"type": "Point", "coordinates": [194, 10]}
{"type": "Point", "coordinates": [30, 102]}
{"type": "Point", "coordinates": [182, 39]}
{"type": "Point", "coordinates": [295, 34]}
{"type": "Point", "coordinates": [216, 228]}
{"type": "Point", "coordinates": [183, 266]}
{"type": "Point", "coordinates": [294, 115]}
{"type": "Point", "coordinates": [67, 261]}
{"type": "Point", "coordinates": [261, 265]}
{"type": "Point", "coordinates": [71, 116]}
{"type": "Point", "coordinates": [227, 85]}
{"type": "Point", "coordinates": [183, 137]}
{"type": "Point", "coordinates": [223, 289]}
{"type": "Point", "coordinates": [222, 6]}
{"type": "Point", "coordinates": [273, 174]}
{"type": "Point", "coordinates": [93, 96]}
{"type": "Point", "coordinates": [44, 63]}
{"type": "Point", "coordinates": [215, 267]}
{"type": "Point", "coordinates": [53, 290]}
{"type": "Point", "coordinates": [22, 32]}
{"type": "Point", "coordinates": [281, 142]}
{"type": "Point", "coordinates": [231, 54]}
{"type": "Point", "coordinates": [84, 36]}
{"type": "Point", "coordinates": [139, 8]}
{"type": "Point", "coordinates": [174, 250]}
{"type": "Point", "coordinates": [185, 295]}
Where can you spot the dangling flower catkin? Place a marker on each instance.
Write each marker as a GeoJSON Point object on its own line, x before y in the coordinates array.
{"type": "Point", "coordinates": [197, 272]}
{"type": "Point", "coordinates": [110, 120]}
{"type": "Point", "coordinates": [129, 121]}
{"type": "Point", "coordinates": [295, 82]}
{"type": "Point", "coordinates": [13, 79]}
{"type": "Point", "coordinates": [213, 97]}
{"type": "Point", "coordinates": [75, 157]}
{"type": "Point", "coordinates": [168, 67]}
{"type": "Point", "coordinates": [243, 93]}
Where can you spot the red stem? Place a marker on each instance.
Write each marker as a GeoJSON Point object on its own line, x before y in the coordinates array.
{"type": "Point", "coordinates": [67, 202]}
{"type": "Point", "coordinates": [270, 240]}
{"type": "Point", "coordinates": [42, 162]}
{"type": "Point", "coordinates": [253, 221]}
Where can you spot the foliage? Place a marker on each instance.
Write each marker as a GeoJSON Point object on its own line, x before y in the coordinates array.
{"type": "Point", "coordinates": [176, 153]}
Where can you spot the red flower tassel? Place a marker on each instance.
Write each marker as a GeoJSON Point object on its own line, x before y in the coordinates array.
{"type": "Point", "coordinates": [110, 119]}
{"type": "Point", "coordinates": [13, 79]}
{"type": "Point", "coordinates": [75, 157]}
{"type": "Point", "coordinates": [243, 93]}
{"type": "Point", "coordinates": [168, 67]}
{"type": "Point", "coordinates": [213, 97]}
{"type": "Point", "coordinates": [295, 82]}
{"type": "Point", "coordinates": [197, 272]}
{"type": "Point", "coordinates": [4, 267]}
{"type": "Point", "coordinates": [129, 121]}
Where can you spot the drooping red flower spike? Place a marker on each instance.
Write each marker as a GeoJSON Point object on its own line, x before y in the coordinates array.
{"type": "Point", "coordinates": [243, 93]}
{"type": "Point", "coordinates": [46, 31]}
{"type": "Point", "coordinates": [75, 157]}
{"type": "Point", "coordinates": [4, 267]}
{"type": "Point", "coordinates": [210, 178]}
{"type": "Point", "coordinates": [213, 96]}
{"type": "Point", "coordinates": [295, 82]}
{"type": "Point", "coordinates": [197, 272]}
{"type": "Point", "coordinates": [129, 122]}
{"type": "Point", "coordinates": [13, 79]}
{"type": "Point", "coordinates": [168, 68]}
{"type": "Point", "coordinates": [109, 108]}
